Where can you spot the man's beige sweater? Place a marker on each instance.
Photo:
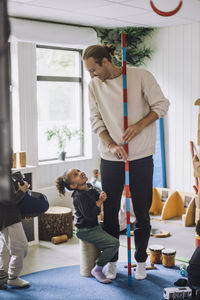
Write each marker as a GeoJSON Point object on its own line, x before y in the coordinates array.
{"type": "Point", "coordinates": [106, 110]}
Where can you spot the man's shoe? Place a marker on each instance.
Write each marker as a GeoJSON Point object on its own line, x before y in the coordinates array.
{"type": "Point", "coordinates": [111, 270]}
{"type": "Point", "coordinates": [17, 282]}
{"type": "Point", "coordinates": [140, 272]}
{"type": "Point", "coordinates": [3, 280]}
{"type": "Point", "coordinates": [181, 282]}
{"type": "Point", "coordinates": [3, 286]}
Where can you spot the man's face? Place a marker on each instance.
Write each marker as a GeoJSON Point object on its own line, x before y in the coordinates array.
{"type": "Point", "coordinates": [77, 178]}
{"type": "Point", "coordinates": [96, 70]}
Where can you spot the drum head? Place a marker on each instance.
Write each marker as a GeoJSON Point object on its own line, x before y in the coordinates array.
{"type": "Point", "coordinates": [156, 247]}
{"type": "Point", "coordinates": [168, 251]}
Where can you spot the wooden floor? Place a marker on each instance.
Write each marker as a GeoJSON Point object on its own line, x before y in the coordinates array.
{"type": "Point", "coordinates": [47, 255]}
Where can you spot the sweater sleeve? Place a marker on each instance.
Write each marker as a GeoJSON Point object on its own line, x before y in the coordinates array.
{"type": "Point", "coordinates": [154, 95]}
{"type": "Point", "coordinates": [96, 120]}
{"type": "Point", "coordinates": [89, 212]}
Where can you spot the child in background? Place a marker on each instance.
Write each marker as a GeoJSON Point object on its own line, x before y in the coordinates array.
{"type": "Point", "coordinates": [122, 214]}
{"type": "Point", "coordinates": [13, 242]}
{"type": "Point", "coordinates": [95, 180]}
{"type": "Point", "coordinates": [87, 203]}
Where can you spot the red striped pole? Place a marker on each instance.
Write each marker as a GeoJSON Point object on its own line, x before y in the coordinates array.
{"type": "Point", "coordinates": [125, 102]}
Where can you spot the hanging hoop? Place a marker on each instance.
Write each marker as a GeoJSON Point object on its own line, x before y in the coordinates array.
{"type": "Point", "coordinates": [166, 13]}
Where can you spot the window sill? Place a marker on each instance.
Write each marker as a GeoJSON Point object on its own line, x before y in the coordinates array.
{"type": "Point", "coordinates": [56, 161]}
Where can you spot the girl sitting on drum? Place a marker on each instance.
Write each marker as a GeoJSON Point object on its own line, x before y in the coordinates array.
{"type": "Point", "coordinates": [87, 203]}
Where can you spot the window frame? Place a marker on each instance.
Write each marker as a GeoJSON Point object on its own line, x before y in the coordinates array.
{"type": "Point", "coordinates": [79, 79]}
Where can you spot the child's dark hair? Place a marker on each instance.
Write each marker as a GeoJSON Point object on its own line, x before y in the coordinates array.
{"type": "Point", "coordinates": [198, 227]}
{"type": "Point", "coordinates": [62, 182]}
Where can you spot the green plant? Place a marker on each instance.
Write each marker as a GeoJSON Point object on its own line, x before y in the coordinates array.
{"type": "Point", "coordinates": [136, 51]}
{"type": "Point", "coordinates": [62, 134]}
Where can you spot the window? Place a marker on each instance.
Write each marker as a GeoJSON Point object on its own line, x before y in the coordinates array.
{"type": "Point", "coordinates": [59, 99]}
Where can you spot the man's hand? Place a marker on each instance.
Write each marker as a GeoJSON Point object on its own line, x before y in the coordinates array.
{"type": "Point", "coordinates": [118, 151]}
{"type": "Point", "coordinates": [24, 187]}
{"type": "Point", "coordinates": [135, 129]}
{"type": "Point", "coordinates": [131, 132]}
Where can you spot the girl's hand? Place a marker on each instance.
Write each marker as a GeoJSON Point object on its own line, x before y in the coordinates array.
{"type": "Point", "coordinates": [103, 196]}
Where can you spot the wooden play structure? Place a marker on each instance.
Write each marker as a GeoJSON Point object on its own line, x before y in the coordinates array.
{"type": "Point", "coordinates": [196, 164]}
{"type": "Point", "coordinates": [170, 203]}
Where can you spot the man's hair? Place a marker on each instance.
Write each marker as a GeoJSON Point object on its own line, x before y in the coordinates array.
{"type": "Point", "coordinates": [98, 52]}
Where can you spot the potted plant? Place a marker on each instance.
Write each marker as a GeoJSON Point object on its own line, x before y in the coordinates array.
{"type": "Point", "coordinates": [62, 134]}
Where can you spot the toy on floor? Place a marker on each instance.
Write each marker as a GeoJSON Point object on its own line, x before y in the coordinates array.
{"type": "Point", "coordinates": [159, 233]}
{"type": "Point", "coordinates": [151, 267]}
{"type": "Point", "coordinates": [171, 293]}
{"type": "Point", "coordinates": [59, 239]}
{"type": "Point", "coordinates": [183, 271]}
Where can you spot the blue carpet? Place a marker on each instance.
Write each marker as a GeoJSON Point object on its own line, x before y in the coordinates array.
{"type": "Point", "coordinates": [66, 283]}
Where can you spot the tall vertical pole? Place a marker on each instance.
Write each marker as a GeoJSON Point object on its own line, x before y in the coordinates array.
{"type": "Point", "coordinates": [125, 101]}
{"type": "Point", "coordinates": [5, 127]}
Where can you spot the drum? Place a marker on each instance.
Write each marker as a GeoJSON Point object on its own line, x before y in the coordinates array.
{"type": "Point", "coordinates": [168, 257]}
{"type": "Point", "coordinates": [156, 254]}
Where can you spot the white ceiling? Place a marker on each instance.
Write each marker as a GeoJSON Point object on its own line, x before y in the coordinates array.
{"type": "Point", "coordinates": [106, 13]}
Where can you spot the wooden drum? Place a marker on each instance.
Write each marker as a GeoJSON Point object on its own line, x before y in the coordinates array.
{"type": "Point", "coordinates": [156, 254]}
{"type": "Point", "coordinates": [168, 257]}
{"type": "Point", "coordinates": [57, 220]}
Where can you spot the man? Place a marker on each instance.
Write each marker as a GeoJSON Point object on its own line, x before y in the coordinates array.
{"type": "Point", "coordinates": [146, 103]}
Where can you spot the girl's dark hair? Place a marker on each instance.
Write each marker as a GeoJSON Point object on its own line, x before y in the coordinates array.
{"type": "Point", "coordinates": [98, 52]}
{"type": "Point", "coordinates": [62, 183]}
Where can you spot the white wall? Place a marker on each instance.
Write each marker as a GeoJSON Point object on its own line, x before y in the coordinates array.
{"type": "Point", "coordinates": [176, 66]}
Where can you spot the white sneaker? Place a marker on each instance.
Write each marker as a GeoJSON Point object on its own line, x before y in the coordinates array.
{"type": "Point", "coordinates": [111, 270]}
{"type": "Point", "coordinates": [18, 282]}
{"type": "Point", "coordinates": [140, 272]}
